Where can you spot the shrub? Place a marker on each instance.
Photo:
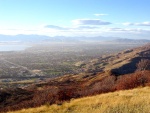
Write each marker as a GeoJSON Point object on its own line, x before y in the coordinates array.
{"type": "Point", "coordinates": [132, 81]}
{"type": "Point", "coordinates": [103, 86]}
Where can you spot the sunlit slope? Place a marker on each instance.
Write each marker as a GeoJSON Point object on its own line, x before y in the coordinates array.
{"type": "Point", "coordinates": [128, 101]}
{"type": "Point", "coordinates": [121, 63]}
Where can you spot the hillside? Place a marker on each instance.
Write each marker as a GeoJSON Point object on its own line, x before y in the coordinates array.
{"type": "Point", "coordinates": [128, 101]}
{"type": "Point", "coordinates": [121, 63]}
{"type": "Point", "coordinates": [62, 89]}
{"type": "Point", "coordinates": [87, 83]}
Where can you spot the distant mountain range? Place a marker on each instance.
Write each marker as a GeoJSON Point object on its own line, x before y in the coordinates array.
{"type": "Point", "coordinates": [41, 38]}
{"type": "Point", "coordinates": [125, 40]}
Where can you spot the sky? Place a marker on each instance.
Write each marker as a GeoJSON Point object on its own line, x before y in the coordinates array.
{"type": "Point", "coordinates": [115, 18]}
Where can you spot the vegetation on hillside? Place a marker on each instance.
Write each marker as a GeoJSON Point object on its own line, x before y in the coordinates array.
{"type": "Point", "coordinates": [65, 88]}
{"type": "Point", "coordinates": [124, 62]}
{"type": "Point", "coordinates": [128, 101]}
{"type": "Point", "coordinates": [88, 83]}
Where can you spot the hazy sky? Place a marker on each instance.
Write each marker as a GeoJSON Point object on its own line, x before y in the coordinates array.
{"type": "Point", "coordinates": [118, 18]}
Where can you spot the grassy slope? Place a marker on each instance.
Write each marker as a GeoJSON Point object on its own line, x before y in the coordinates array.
{"type": "Point", "coordinates": [128, 58]}
{"type": "Point", "coordinates": [128, 101]}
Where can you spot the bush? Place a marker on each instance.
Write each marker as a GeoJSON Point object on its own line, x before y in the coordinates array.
{"type": "Point", "coordinates": [132, 81]}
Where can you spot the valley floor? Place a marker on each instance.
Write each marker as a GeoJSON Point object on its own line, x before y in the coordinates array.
{"type": "Point", "coordinates": [128, 101]}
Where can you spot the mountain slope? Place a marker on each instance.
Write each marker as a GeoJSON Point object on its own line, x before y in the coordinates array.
{"type": "Point", "coordinates": [121, 63]}
{"type": "Point", "coordinates": [60, 89]}
{"type": "Point", "coordinates": [128, 101]}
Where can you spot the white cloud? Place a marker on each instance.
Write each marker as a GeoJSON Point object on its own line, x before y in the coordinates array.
{"type": "Point", "coordinates": [81, 30]}
{"type": "Point", "coordinates": [76, 27]}
{"type": "Point", "coordinates": [137, 24]}
{"type": "Point", "coordinates": [126, 30]}
{"type": "Point", "coordinates": [55, 27]}
{"type": "Point", "coordinates": [128, 23]}
{"type": "Point", "coordinates": [86, 27]}
{"type": "Point", "coordinates": [100, 14]}
{"type": "Point", "coordinates": [144, 24]}
{"type": "Point", "coordinates": [90, 22]}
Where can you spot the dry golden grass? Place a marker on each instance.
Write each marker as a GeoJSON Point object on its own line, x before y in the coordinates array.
{"type": "Point", "coordinates": [128, 101]}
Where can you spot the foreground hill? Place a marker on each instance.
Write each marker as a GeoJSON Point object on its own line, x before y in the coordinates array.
{"type": "Point", "coordinates": [128, 101]}
{"type": "Point", "coordinates": [59, 90]}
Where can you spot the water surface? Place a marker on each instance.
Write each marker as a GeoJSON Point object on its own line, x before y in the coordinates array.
{"type": "Point", "coordinates": [13, 47]}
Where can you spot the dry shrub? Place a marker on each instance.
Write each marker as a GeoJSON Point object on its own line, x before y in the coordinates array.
{"type": "Point", "coordinates": [64, 91]}
{"type": "Point", "coordinates": [132, 81]}
{"type": "Point", "coordinates": [106, 85]}
{"type": "Point", "coordinates": [67, 94]}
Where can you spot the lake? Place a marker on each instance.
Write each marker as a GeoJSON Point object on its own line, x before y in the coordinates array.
{"type": "Point", "coordinates": [13, 47]}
